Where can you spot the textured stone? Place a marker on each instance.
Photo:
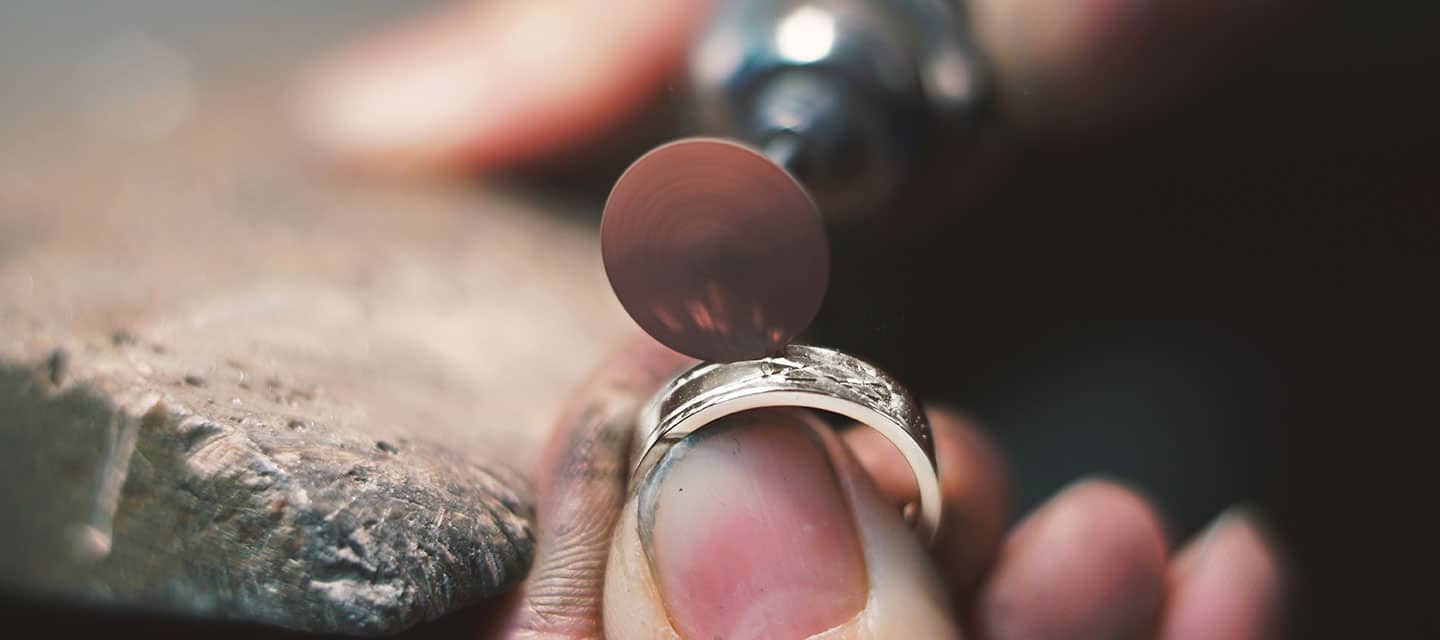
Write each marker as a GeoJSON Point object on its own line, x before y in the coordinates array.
{"type": "Point", "coordinates": [233, 388]}
{"type": "Point", "coordinates": [237, 514]}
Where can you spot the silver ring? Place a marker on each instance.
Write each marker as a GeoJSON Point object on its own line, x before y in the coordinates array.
{"type": "Point", "coordinates": [799, 376]}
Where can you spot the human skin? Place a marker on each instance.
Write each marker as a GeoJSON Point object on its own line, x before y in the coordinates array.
{"type": "Point", "coordinates": [487, 83]}
{"type": "Point", "coordinates": [769, 526]}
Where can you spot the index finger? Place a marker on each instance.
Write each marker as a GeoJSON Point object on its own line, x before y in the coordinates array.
{"type": "Point", "coordinates": [482, 84]}
{"type": "Point", "coordinates": [581, 486]}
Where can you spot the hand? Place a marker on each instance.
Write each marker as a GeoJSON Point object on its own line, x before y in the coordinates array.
{"type": "Point", "coordinates": [491, 82]}
{"type": "Point", "coordinates": [768, 527]}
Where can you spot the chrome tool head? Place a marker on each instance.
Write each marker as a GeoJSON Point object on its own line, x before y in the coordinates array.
{"type": "Point", "coordinates": [859, 94]}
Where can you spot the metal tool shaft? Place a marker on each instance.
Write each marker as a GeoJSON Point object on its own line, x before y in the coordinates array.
{"type": "Point", "coordinates": [848, 95]}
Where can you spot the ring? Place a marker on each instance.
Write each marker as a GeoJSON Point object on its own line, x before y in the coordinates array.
{"type": "Point", "coordinates": [798, 376]}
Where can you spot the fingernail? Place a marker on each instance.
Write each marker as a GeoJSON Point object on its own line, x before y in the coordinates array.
{"type": "Point", "coordinates": [1205, 539]}
{"type": "Point", "coordinates": [749, 535]}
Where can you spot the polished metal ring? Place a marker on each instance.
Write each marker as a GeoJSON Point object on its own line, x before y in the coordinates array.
{"type": "Point", "coordinates": [798, 376]}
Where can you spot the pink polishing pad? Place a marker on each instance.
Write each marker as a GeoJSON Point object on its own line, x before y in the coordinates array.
{"type": "Point", "coordinates": [714, 250]}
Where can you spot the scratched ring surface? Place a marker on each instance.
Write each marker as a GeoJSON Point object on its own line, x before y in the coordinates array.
{"type": "Point", "coordinates": [798, 376]}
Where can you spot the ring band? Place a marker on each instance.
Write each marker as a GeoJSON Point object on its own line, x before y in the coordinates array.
{"type": "Point", "coordinates": [799, 376]}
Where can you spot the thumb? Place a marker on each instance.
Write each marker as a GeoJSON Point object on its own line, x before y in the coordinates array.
{"type": "Point", "coordinates": [765, 526]}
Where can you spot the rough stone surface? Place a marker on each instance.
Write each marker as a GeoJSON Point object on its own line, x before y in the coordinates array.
{"type": "Point", "coordinates": [235, 388]}
{"type": "Point", "coordinates": [241, 514]}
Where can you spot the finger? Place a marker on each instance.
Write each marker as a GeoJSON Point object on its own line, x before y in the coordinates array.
{"type": "Point", "coordinates": [764, 526]}
{"type": "Point", "coordinates": [1068, 64]}
{"type": "Point", "coordinates": [485, 83]}
{"type": "Point", "coordinates": [1225, 585]}
{"type": "Point", "coordinates": [972, 484]}
{"type": "Point", "coordinates": [1088, 564]}
{"type": "Point", "coordinates": [580, 487]}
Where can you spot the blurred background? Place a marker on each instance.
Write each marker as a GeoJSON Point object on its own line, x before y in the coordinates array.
{"type": "Point", "coordinates": [1217, 295]}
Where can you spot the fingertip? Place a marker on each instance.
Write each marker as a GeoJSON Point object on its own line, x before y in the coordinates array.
{"type": "Point", "coordinates": [1228, 584]}
{"type": "Point", "coordinates": [395, 102]}
{"type": "Point", "coordinates": [706, 566]}
{"type": "Point", "coordinates": [482, 84]}
{"type": "Point", "coordinates": [971, 467]}
{"type": "Point", "coordinates": [971, 470]}
{"type": "Point", "coordinates": [973, 476]}
{"type": "Point", "coordinates": [1089, 563]}
{"type": "Point", "coordinates": [973, 488]}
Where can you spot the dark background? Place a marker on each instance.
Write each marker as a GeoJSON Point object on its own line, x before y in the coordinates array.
{"type": "Point", "coordinates": [1230, 302]}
